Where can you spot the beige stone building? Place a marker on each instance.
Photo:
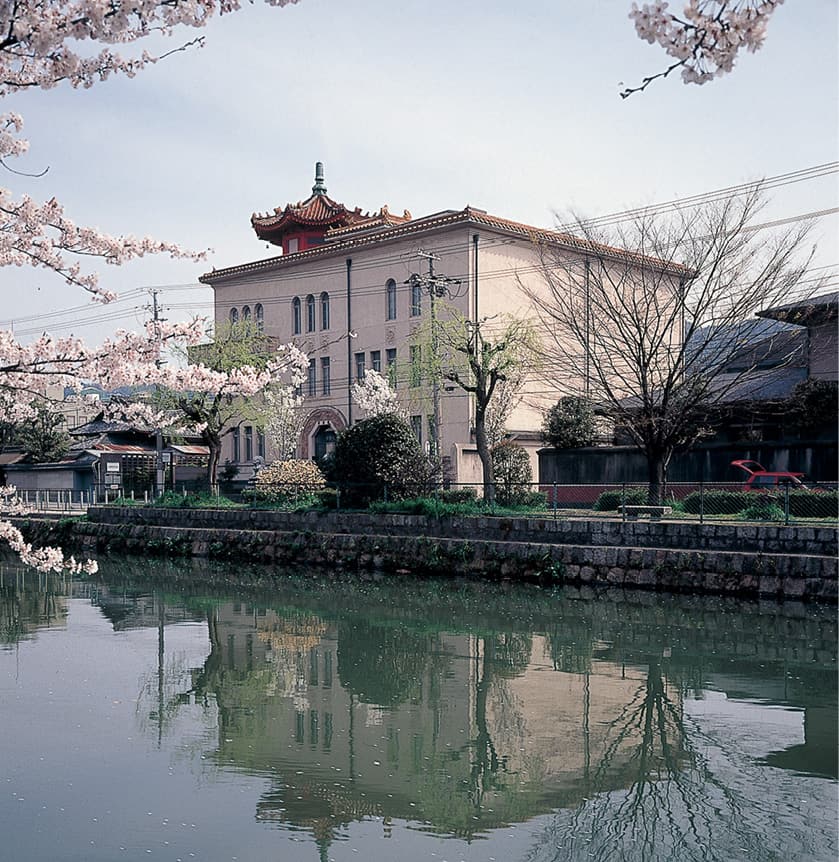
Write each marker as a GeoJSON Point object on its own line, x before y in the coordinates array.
{"type": "Point", "coordinates": [342, 290]}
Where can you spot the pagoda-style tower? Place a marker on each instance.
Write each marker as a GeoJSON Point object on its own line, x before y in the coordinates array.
{"type": "Point", "coordinates": [306, 224]}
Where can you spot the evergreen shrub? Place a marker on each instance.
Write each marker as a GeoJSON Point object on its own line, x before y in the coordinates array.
{"type": "Point", "coordinates": [718, 502]}
{"type": "Point", "coordinates": [610, 501]}
{"type": "Point", "coordinates": [513, 474]}
{"type": "Point", "coordinates": [379, 456]}
{"type": "Point", "coordinates": [814, 504]}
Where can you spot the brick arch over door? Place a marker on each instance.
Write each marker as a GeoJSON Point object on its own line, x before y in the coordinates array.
{"type": "Point", "coordinates": [317, 419]}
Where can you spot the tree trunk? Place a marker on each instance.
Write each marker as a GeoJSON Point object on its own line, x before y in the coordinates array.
{"type": "Point", "coordinates": [657, 477]}
{"type": "Point", "coordinates": [485, 454]}
{"type": "Point", "coordinates": [213, 443]}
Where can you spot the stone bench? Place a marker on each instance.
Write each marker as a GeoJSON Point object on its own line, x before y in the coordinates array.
{"type": "Point", "coordinates": [655, 512]}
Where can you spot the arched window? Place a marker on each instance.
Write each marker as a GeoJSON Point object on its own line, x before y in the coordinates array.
{"type": "Point", "coordinates": [246, 312]}
{"type": "Point", "coordinates": [259, 314]}
{"type": "Point", "coordinates": [295, 315]}
{"type": "Point", "coordinates": [324, 311]}
{"type": "Point", "coordinates": [390, 290]}
{"type": "Point", "coordinates": [234, 316]}
{"type": "Point", "coordinates": [310, 313]}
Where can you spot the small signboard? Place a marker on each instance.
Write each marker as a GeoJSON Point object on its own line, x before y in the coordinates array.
{"type": "Point", "coordinates": [167, 457]}
{"type": "Point", "coordinates": [112, 466]}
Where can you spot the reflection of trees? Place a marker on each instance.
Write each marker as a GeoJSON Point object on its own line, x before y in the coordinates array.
{"type": "Point", "coordinates": [28, 603]}
{"type": "Point", "coordinates": [676, 805]}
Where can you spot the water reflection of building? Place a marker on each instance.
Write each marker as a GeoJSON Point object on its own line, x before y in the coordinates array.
{"type": "Point", "coordinates": [458, 732]}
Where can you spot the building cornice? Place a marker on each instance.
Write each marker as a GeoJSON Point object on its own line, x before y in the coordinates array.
{"type": "Point", "coordinates": [468, 217]}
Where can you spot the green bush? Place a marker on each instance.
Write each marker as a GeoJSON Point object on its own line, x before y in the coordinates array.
{"type": "Point", "coordinates": [814, 504]}
{"type": "Point", "coordinates": [195, 500]}
{"type": "Point", "coordinates": [458, 495]}
{"type": "Point", "coordinates": [718, 502]}
{"type": "Point", "coordinates": [379, 456]}
{"type": "Point", "coordinates": [327, 499]}
{"type": "Point", "coordinates": [570, 423]}
{"type": "Point", "coordinates": [610, 501]}
{"type": "Point", "coordinates": [513, 474]}
{"type": "Point", "coordinates": [763, 509]}
{"type": "Point", "coordinates": [287, 483]}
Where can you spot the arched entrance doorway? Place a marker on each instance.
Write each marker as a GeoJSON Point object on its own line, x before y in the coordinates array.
{"type": "Point", "coordinates": [320, 431]}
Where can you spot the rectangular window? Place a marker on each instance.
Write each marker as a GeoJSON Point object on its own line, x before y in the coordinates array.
{"type": "Point", "coordinates": [293, 245]}
{"type": "Point", "coordinates": [432, 429]}
{"type": "Point", "coordinates": [260, 443]}
{"type": "Point", "coordinates": [416, 427]}
{"type": "Point", "coordinates": [416, 299]}
{"type": "Point", "coordinates": [359, 367]}
{"type": "Point", "coordinates": [376, 360]}
{"type": "Point", "coordinates": [313, 378]}
{"type": "Point", "coordinates": [248, 443]}
{"type": "Point", "coordinates": [416, 365]}
{"type": "Point", "coordinates": [390, 359]}
{"type": "Point", "coordinates": [325, 376]}
{"type": "Point", "coordinates": [237, 446]}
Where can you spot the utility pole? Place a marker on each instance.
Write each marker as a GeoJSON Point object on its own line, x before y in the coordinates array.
{"type": "Point", "coordinates": [437, 286]}
{"type": "Point", "coordinates": [160, 470]}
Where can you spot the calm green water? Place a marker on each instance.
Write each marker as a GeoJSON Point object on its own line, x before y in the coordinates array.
{"type": "Point", "coordinates": [149, 715]}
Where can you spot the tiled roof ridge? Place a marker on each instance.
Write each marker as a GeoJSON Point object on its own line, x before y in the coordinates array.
{"type": "Point", "coordinates": [444, 218]}
{"type": "Point", "coordinates": [316, 209]}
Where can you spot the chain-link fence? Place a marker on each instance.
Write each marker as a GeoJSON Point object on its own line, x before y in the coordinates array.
{"type": "Point", "coordinates": [695, 501]}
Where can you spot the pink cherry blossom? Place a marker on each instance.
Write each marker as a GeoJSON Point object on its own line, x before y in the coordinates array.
{"type": "Point", "coordinates": [705, 40]}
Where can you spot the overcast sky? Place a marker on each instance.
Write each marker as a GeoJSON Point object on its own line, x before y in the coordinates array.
{"type": "Point", "coordinates": [513, 108]}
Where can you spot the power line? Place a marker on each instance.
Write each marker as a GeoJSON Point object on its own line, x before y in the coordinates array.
{"type": "Point", "coordinates": [777, 181]}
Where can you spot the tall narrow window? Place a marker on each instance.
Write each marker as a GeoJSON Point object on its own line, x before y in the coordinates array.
{"type": "Point", "coordinates": [313, 378]}
{"type": "Point", "coordinates": [376, 360]}
{"type": "Point", "coordinates": [237, 446]}
{"type": "Point", "coordinates": [259, 314]}
{"type": "Point", "coordinates": [246, 312]}
{"type": "Point", "coordinates": [390, 291]}
{"type": "Point", "coordinates": [325, 376]}
{"type": "Point", "coordinates": [416, 365]}
{"type": "Point", "coordinates": [296, 325]}
{"type": "Point", "coordinates": [310, 313]}
{"type": "Point", "coordinates": [260, 444]}
{"type": "Point", "coordinates": [234, 316]}
{"type": "Point", "coordinates": [416, 299]}
{"type": "Point", "coordinates": [359, 367]}
{"type": "Point", "coordinates": [390, 359]}
{"type": "Point", "coordinates": [416, 427]}
{"type": "Point", "coordinates": [248, 443]}
{"type": "Point", "coordinates": [324, 311]}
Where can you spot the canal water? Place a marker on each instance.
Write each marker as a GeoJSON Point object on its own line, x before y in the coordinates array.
{"type": "Point", "coordinates": [165, 712]}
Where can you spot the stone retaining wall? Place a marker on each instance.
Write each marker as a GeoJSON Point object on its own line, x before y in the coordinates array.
{"type": "Point", "coordinates": [762, 538]}
{"type": "Point", "coordinates": [807, 577]}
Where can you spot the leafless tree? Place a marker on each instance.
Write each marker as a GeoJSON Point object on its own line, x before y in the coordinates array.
{"type": "Point", "coordinates": [479, 357]}
{"type": "Point", "coordinates": [648, 320]}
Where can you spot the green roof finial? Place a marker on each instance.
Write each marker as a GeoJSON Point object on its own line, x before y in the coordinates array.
{"type": "Point", "coordinates": [318, 188]}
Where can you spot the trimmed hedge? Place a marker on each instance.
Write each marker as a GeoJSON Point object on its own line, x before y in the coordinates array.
{"type": "Point", "coordinates": [802, 504]}
{"type": "Point", "coordinates": [610, 501]}
{"type": "Point", "coordinates": [814, 504]}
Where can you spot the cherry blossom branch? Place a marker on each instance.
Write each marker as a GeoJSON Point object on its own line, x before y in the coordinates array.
{"type": "Point", "coordinates": [706, 41]}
